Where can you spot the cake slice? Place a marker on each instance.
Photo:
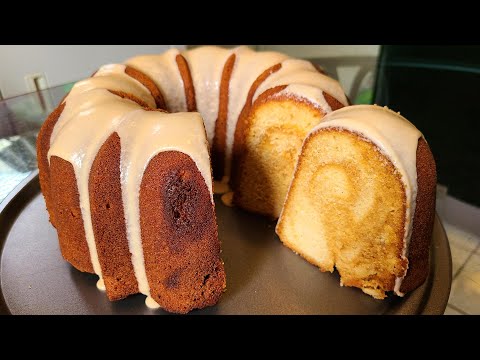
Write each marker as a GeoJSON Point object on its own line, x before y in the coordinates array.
{"type": "Point", "coordinates": [362, 200]}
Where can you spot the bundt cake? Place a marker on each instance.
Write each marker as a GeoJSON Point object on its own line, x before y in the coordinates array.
{"type": "Point", "coordinates": [362, 200]}
{"type": "Point", "coordinates": [128, 186]}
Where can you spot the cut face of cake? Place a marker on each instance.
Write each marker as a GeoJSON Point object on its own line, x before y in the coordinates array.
{"type": "Point", "coordinates": [274, 132]}
{"type": "Point", "coordinates": [284, 107]}
{"type": "Point", "coordinates": [362, 200]}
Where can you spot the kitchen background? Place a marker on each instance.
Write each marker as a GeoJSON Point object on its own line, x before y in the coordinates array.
{"type": "Point", "coordinates": [435, 87]}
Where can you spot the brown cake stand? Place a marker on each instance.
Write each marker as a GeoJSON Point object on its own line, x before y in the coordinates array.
{"type": "Point", "coordinates": [263, 276]}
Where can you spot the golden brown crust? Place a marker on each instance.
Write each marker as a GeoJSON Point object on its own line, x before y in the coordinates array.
{"type": "Point", "coordinates": [65, 202]}
{"type": "Point", "coordinates": [422, 227]}
{"type": "Point", "coordinates": [43, 146]}
{"type": "Point", "coordinates": [108, 221]}
{"type": "Point", "coordinates": [179, 235]}
{"type": "Point", "coordinates": [149, 84]}
{"type": "Point", "coordinates": [187, 82]}
{"type": "Point", "coordinates": [131, 97]}
{"type": "Point", "coordinates": [219, 139]}
{"type": "Point", "coordinates": [332, 102]}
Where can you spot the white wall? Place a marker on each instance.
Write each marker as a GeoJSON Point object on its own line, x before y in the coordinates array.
{"type": "Point", "coordinates": [66, 63]}
{"type": "Point", "coordinates": [61, 63]}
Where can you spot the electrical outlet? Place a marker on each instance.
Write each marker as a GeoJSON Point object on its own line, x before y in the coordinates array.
{"type": "Point", "coordinates": [36, 82]}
